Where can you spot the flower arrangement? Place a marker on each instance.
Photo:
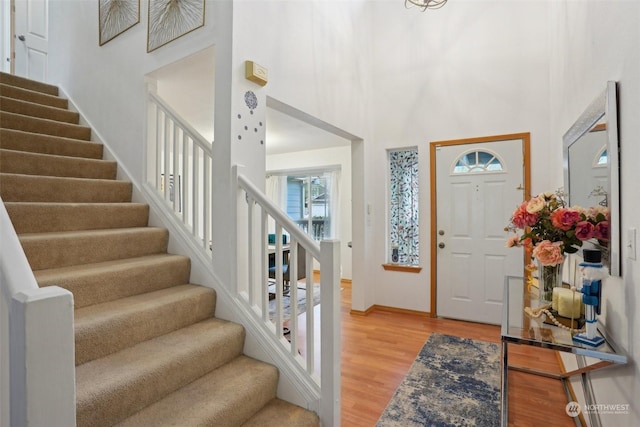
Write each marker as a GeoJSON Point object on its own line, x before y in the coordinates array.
{"type": "Point", "coordinates": [551, 229]}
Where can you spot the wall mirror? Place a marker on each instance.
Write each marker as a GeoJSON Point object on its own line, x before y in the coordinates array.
{"type": "Point", "coordinates": [591, 168]}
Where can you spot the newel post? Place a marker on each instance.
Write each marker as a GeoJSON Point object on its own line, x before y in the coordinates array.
{"type": "Point", "coordinates": [330, 336]}
{"type": "Point", "coordinates": [42, 358]}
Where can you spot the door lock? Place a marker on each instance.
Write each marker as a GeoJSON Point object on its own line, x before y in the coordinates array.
{"type": "Point", "coordinates": [441, 245]}
{"type": "Point", "coordinates": [21, 38]}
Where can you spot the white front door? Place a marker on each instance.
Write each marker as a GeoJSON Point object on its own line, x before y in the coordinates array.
{"type": "Point", "coordinates": [31, 38]}
{"type": "Point", "coordinates": [478, 185]}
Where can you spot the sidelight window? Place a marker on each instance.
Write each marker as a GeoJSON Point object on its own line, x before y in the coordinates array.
{"type": "Point", "coordinates": [403, 207]}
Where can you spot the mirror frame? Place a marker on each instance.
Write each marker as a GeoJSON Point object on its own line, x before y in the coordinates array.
{"type": "Point", "coordinates": [604, 106]}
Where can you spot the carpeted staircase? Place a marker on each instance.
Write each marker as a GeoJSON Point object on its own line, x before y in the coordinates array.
{"type": "Point", "coordinates": [149, 351]}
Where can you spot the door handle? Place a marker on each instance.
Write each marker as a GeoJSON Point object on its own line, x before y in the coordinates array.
{"type": "Point", "coordinates": [21, 38]}
{"type": "Point", "coordinates": [441, 245]}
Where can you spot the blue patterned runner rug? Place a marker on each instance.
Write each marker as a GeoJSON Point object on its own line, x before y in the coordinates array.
{"type": "Point", "coordinates": [453, 382]}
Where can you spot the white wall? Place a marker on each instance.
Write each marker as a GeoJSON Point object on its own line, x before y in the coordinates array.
{"type": "Point", "coordinates": [107, 82]}
{"type": "Point", "coordinates": [391, 76]}
{"type": "Point", "coordinates": [175, 84]}
{"type": "Point", "coordinates": [474, 68]}
{"type": "Point", "coordinates": [326, 157]}
{"type": "Point", "coordinates": [595, 42]}
{"type": "Point", "coordinates": [470, 69]}
{"type": "Point", "coordinates": [395, 78]}
{"type": "Point", "coordinates": [318, 55]}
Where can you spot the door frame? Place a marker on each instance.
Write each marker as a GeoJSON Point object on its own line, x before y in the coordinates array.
{"type": "Point", "coordinates": [7, 50]}
{"type": "Point", "coordinates": [526, 173]}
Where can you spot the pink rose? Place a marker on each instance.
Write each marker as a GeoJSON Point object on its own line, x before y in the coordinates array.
{"type": "Point", "coordinates": [565, 218]}
{"type": "Point", "coordinates": [601, 231]}
{"type": "Point", "coordinates": [593, 212]}
{"type": "Point", "coordinates": [548, 253]}
{"type": "Point", "coordinates": [513, 241]}
{"type": "Point", "coordinates": [523, 219]}
{"type": "Point", "coordinates": [584, 230]}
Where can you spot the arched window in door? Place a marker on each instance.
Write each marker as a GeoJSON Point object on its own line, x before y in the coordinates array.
{"type": "Point", "coordinates": [602, 158]}
{"type": "Point", "coordinates": [478, 161]}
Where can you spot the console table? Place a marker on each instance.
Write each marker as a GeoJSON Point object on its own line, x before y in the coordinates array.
{"type": "Point", "coordinates": [518, 328]}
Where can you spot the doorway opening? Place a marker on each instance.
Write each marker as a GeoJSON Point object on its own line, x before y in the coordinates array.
{"type": "Point", "coordinates": [310, 162]}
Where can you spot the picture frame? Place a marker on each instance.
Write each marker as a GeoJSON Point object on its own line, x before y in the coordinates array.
{"type": "Point", "coordinates": [171, 19]}
{"type": "Point", "coordinates": [115, 17]}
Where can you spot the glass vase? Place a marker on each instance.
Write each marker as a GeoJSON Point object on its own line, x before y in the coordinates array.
{"type": "Point", "coordinates": [549, 277]}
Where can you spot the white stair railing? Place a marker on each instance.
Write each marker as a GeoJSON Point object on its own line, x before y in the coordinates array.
{"type": "Point", "coordinates": [179, 170]}
{"type": "Point", "coordinates": [311, 339]}
{"type": "Point", "coordinates": [37, 365]}
{"type": "Point", "coordinates": [179, 167]}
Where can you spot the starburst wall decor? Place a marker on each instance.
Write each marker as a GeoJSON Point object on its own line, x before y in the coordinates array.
{"type": "Point", "coordinates": [170, 19]}
{"type": "Point", "coordinates": [116, 17]}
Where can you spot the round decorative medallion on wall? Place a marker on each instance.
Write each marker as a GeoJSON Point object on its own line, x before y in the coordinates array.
{"type": "Point", "coordinates": [251, 101]}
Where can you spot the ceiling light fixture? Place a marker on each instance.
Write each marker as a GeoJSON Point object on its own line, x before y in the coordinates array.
{"type": "Point", "coordinates": [425, 4]}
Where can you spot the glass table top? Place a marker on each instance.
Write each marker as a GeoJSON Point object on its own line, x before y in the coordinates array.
{"type": "Point", "coordinates": [522, 328]}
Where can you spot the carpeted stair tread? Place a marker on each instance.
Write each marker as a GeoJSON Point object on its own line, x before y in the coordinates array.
{"type": "Point", "coordinates": [148, 349]}
{"type": "Point", "coordinates": [21, 162]}
{"type": "Point", "coordinates": [65, 248]}
{"type": "Point", "coordinates": [15, 92]}
{"type": "Point", "coordinates": [106, 328]}
{"type": "Point", "coordinates": [34, 109]}
{"type": "Point", "coordinates": [279, 413]}
{"type": "Point", "coordinates": [12, 139]}
{"type": "Point", "coordinates": [42, 217]}
{"type": "Point", "coordinates": [114, 387]}
{"type": "Point", "coordinates": [33, 188]}
{"type": "Point", "coordinates": [44, 126]}
{"type": "Point", "coordinates": [225, 397]}
{"type": "Point", "coordinates": [25, 83]}
{"type": "Point", "coordinates": [111, 280]}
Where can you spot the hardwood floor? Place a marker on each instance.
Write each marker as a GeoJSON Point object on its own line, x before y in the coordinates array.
{"type": "Point", "coordinates": [378, 349]}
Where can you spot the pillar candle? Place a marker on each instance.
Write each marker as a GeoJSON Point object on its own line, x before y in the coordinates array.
{"type": "Point", "coordinates": [566, 302]}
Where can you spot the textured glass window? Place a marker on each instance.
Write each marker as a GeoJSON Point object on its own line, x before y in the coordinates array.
{"type": "Point", "coordinates": [403, 206]}
{"type": "Point", "coordinates": [477, 161]}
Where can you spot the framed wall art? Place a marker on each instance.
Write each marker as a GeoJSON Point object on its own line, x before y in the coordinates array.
{"type": "Point", "coordinates": [115, 17]}
{"type": "Point", "coordinates": [170, 19]}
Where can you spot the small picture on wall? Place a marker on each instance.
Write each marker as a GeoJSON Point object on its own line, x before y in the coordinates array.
{"type": "Point", "coordinates": [170, 19]}
{"type": "Point", "coordinates": [116, 17]}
